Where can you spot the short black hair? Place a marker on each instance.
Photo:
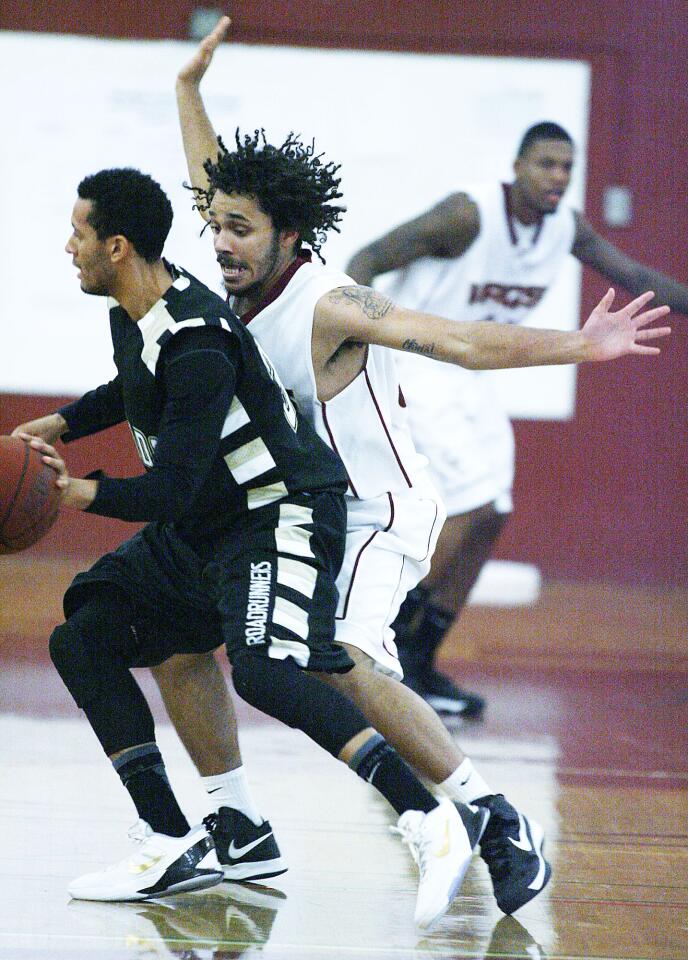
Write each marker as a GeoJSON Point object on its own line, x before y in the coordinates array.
{"type": "Point", "coordinates": [291, 184]}
{"type": "Point", "coordinates": [542, 131]}
{"type": "Point", "coordinates": [128, 202]}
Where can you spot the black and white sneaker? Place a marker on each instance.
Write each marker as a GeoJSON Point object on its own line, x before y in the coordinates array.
{"type": "Point", "coordinates": [160, 866]}
{"type": "Point", "coordinates": [444, 696]}
{"type": "Point", "coordinates": [245, 851]}
{"type": "Point", "coordinates": [512, 847]}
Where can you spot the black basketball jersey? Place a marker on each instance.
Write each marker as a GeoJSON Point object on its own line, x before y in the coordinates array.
{"type": "Point", "coordinates": [212, 423]}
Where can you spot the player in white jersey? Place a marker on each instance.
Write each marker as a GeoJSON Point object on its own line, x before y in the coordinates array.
{"type": "Point", "coordinates": [394, 513]}
{"type": "Point", "coordinates": [489, 253]}
{"type": "Point", "coordinates": [325, 337]}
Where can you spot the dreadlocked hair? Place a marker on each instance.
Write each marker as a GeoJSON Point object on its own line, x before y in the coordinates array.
{"type": "Point", "coordinates": [291, 183]}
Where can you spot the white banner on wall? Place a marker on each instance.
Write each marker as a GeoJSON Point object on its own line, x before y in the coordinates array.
{"type": "Point", "coordinates": [406, 128]}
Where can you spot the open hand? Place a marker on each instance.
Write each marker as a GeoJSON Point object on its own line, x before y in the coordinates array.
{"type": "Point", "coordinates": [49, 455]}
{"type": "Point", "coordinates": [610, 335]}
{"type": "Point", "coordinates": [194, 70]}
{"type": "Point", "coordinates": [75, 492]}
{"type": "Point", "coordinates": [49, 428]}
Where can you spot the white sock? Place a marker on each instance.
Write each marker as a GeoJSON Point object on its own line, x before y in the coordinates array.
{"type": "Point", "coordinates": [466, 784]}
{"type": "Point", "coordinates": [232, 790]}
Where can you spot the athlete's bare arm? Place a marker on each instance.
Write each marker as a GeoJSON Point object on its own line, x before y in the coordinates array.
{"type": "Point", "coordinates": [198, 136]}
{"type": "Point", "coordinates": [362, 315]}
{"type": "Point", "coordinates": [592, 249]}
{"type": "Point", "coordinates": [446, 230]}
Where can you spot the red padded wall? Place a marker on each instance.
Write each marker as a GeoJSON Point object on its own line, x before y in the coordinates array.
{"type": "Point", "coordinates": [604, 496]}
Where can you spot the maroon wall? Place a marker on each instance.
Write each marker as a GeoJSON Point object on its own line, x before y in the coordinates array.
{"type": "Point", "coordinates": [604, 496]}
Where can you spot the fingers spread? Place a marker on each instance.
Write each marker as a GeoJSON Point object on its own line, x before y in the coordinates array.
{"type": "Point", "coordinates": [632, 308]}
{"type": "Point", "coordinates": [653, 333]}
{"type": "Point", "coordinates": [644, 318]}
{"type": "Point", "coordinates": [607, 300]}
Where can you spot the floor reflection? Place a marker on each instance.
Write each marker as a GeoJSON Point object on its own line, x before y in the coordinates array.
{"type": "Point", "coordinates": [219, 924]}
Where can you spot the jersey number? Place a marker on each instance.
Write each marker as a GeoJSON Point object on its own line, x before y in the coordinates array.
{"type": "Point", "coordinates": [144, 445]}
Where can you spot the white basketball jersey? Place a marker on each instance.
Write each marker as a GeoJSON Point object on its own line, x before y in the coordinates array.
{"type": "Point", "coordinates": [365, 423]}
{"type": "Point", "coordinates": [456, 419]}
{"type": "Point", "coordinates": [503, 274]}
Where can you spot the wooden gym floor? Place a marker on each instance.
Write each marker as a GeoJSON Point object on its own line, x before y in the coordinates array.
{"type": "Point", "coordinates": [586, 729]}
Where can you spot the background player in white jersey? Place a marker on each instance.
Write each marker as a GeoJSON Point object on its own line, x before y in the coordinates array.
{"type": "Point", "coordinates": [325, 336]}
{"type": "Point", "coordinates": [489, 254]}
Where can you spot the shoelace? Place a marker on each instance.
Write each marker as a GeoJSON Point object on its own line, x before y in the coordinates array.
{"type": "Point", "coordinates": [412, 836]}
{"type": "Point", "coordinates": [148, 851]}
{"type": "Point", "coordinates": [139, 832]}
{"type": "Point", "coordinates": [210, 822]}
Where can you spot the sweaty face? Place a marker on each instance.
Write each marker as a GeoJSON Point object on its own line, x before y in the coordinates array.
{"type": "Point", "coordinates": [88, 253]}
{"type": "Point", "coordinates": [544, 173]}
{"type": "Point", "coordinates": [249, 249]}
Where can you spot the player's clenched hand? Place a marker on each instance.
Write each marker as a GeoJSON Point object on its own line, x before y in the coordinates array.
{"type": "Point", "coordinates": [195, 69]}
{"type": "Point", "coordinates": [48, 428]}
{"type": "Point", "coordinates": [609, 335]}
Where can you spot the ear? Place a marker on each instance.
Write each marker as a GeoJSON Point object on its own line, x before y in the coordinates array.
{"type": "Point", "coordinates": [518, 166]}
{"type": "Point", "coordinates": [119, 248]}
{"type": "Point", "coordinates": [289, 238]}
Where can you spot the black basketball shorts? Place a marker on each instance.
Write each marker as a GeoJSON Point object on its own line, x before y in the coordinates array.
{"type": "Point", "coordinates": [266, 585]}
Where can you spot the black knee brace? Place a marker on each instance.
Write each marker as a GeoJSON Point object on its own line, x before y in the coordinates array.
{"type": "Point", "coordinates": [92, 652]}
{"type": "Point", "coordinates": [95, 638]}
{"type": "Point", "coordinates": [282, 690]}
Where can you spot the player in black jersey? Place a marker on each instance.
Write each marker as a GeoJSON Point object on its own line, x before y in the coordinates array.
{"type": "Point", "coordinates": [245, 534]}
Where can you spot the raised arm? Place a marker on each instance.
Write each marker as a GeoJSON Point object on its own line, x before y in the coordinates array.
{"type": "Point", "coordinates": [592, 249]}
{"type": "Point", "coordinates": [198, 136]}
{"type": "Point", "coordinates": [447, 230]}
{"type": "Point", "coordinates": [359, 314]}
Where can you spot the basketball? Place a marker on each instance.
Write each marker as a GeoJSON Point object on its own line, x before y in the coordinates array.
{"type": "Point", "coordinates": [29, 496]}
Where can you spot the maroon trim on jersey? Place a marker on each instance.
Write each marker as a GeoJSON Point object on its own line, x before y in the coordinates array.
{"type": "Point", "coordinates": [333, 444]}
{"type": "Point", "coordinates": [402, 398]}
{"type": "Point", "coordinates": [360, 553]}
{"type": "Point", "coordinates": [385, 428]}
{"type": "Point", "coordinates": [508, 209]}
{"type": "Point", "coordinates": [278, 287]}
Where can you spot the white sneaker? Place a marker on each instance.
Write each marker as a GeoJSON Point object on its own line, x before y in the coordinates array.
{"type": "Point", "coordinates": [440, 846]}
{"type": "Point", "coordinates": [162, 865]}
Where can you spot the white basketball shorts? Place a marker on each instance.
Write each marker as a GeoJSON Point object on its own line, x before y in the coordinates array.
{"type": "Point", "coordinates": [390, 540]}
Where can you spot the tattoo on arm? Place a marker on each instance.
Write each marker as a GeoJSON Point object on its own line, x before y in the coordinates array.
{"type": "Point", "coordinates": [374, 305]}
{"type": "Point", "coordinates": [424, 349]}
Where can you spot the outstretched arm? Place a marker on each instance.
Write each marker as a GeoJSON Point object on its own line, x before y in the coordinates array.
{"type": "Point", "coordinates": [447, 230]}
{"type": "Point", "coordinates": [360, 314]}
{"type": "Point", "coordinates": [198, 136]}
{"type": "Point", "coordinates": [592, 249]}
